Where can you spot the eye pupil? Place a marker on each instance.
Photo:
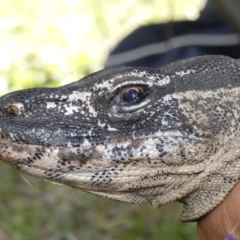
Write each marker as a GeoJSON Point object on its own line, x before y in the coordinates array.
{"type": "Point", "coordinates": [133, 96]}
{"type": "Point", "coordinates": [130, 95]}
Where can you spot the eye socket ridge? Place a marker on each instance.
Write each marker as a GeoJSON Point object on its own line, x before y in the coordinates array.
{"type": "Point", "coordinates": [130, 95]}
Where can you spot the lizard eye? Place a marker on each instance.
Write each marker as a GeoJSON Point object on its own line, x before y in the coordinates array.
{"type": "Point", "coordinates": [131, 95]}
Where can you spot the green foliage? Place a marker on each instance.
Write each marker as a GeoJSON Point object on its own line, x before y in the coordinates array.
{"type": "Point", "coordinates": [50, 43]}
{"type": "Point", "coordinates": [46, 211]}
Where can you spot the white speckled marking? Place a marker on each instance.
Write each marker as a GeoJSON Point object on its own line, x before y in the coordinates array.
{"type": "Point", "coordinates": [182, 73]}
{"type": "Point", "coordinates": [164, 81]}
{"type": "Point", "coordinates": [51, 105]}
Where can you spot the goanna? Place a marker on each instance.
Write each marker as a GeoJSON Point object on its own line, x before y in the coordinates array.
{"type": "Point", "coordinates": [133, 134]}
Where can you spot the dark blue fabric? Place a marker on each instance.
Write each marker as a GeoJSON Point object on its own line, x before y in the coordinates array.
{"type": "Point", "coordinates": [209, 23]}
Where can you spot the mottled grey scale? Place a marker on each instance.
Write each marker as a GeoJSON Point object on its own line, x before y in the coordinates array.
{"type": "Point", "coordinates": [178, 141]}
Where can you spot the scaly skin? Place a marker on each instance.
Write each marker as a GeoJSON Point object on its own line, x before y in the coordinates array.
{"type": "Point", "coordinates": [133, 134]}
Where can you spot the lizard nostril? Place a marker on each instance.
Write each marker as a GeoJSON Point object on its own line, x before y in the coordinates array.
{"type": "Point", "coordinates": [12, 110]}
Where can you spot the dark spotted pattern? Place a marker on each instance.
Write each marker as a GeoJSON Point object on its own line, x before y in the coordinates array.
{"type": "Point", "coordinates": [178, 141]}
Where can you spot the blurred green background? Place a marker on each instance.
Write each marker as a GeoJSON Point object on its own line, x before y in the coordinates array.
{"type": "Point", "coordinates": [51, 43]}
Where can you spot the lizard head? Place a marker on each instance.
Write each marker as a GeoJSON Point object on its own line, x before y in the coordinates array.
{"type": "Point", "coordinates": [133, 134]}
